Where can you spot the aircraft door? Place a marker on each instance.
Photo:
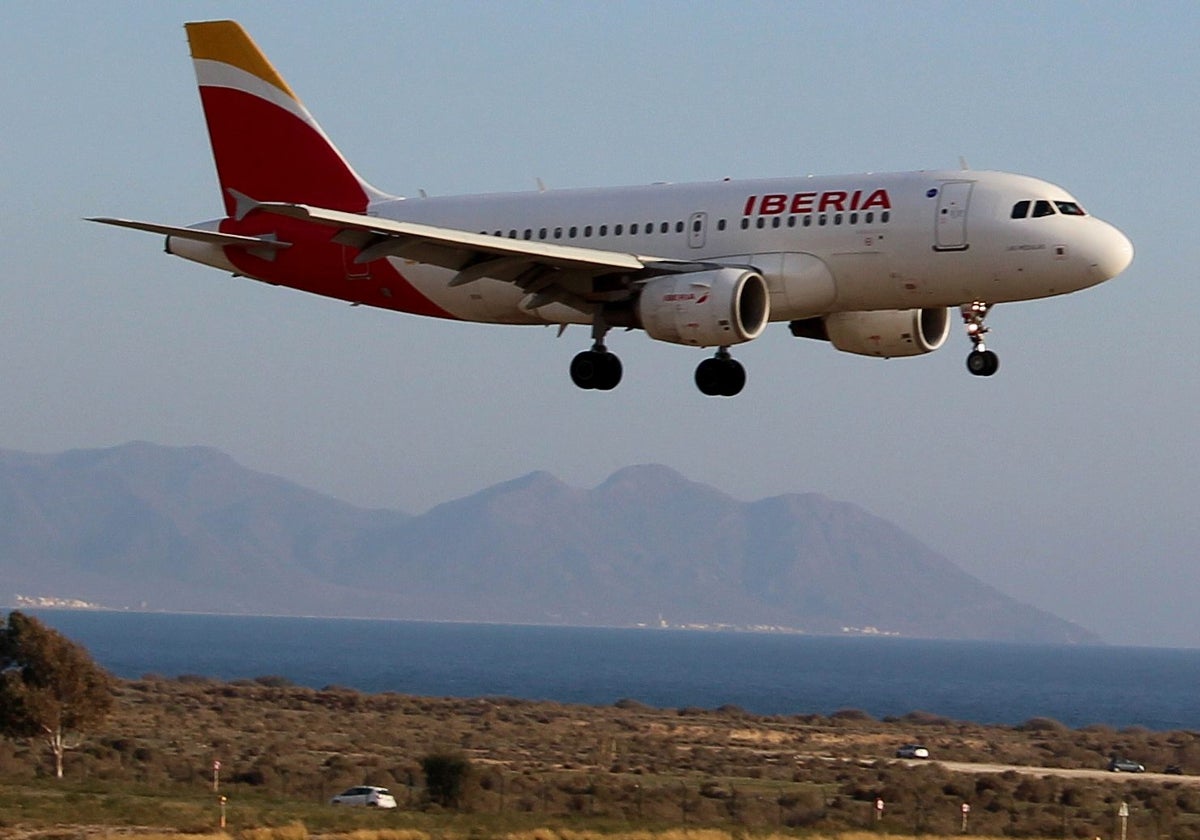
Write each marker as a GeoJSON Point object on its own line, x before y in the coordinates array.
{"type": "Point", "coordinates": [697, 222]}
{"type": "Point", "coordinates": [951, 225]}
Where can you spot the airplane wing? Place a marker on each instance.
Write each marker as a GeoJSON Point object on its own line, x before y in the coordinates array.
{"type": "Point", "coordinates": [546, 270]}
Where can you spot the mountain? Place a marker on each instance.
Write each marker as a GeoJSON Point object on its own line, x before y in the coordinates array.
{"type": "Point", "coordinates": [146, 526]}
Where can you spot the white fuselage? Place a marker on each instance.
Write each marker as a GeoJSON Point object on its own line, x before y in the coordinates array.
{"type": "Point", "coordinates": [928, 239]}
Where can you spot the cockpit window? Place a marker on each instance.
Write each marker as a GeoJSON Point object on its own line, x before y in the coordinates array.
{"type": "Point", "coordinates": [1020, 210]}
{"type": "Point", "coordinates": [1070, 208]}
{"type": "Point", "coordinates": [1042, 208]}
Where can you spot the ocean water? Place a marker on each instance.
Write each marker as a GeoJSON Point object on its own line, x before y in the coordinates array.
{"type": "Point", "coordinates": [1157, 688]}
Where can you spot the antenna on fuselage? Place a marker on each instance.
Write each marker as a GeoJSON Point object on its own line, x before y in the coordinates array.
{"type": "Point", "coordinates": [962, 163]}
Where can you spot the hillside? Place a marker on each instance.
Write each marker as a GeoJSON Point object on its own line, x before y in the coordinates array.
{"type": "Point", "coordinates": [188, 529]}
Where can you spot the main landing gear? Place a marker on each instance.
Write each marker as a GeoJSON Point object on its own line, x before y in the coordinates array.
{"type": "Point", "coordinates": [596, 369]}
{"type": "Point", "coordinates": [599, 370]}
{"type": "Point", "coordinates": [721, 376]}
{"type": "Point", "coordinates": [980, 361]}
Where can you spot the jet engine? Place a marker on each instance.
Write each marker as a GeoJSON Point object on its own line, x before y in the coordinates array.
{"type": "Point", "coordinates": [887, 333]}
{"type": "Point", "coordinates": [714, 308]}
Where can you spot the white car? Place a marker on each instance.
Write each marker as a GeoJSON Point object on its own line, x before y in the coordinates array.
{"type": "Point", "coordinates": [372, 797]}
{"type": "Point", "coordinates": [912, 751]}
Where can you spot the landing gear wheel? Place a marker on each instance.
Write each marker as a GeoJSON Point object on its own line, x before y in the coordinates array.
{"type": "Point", "coordinates": [980, 361]}
{"type": "Point", "coordinates": [720, 377]}
{"type": "Point", "coordinates": [983, 362]}
{"type": "Point", "coordinates": [596, 369]}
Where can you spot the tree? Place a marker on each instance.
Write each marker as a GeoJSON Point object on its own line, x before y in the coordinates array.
{"type": "Point", "coordinates": [49, 686]}
{"type": "Point", "coordinates": [445, 776]}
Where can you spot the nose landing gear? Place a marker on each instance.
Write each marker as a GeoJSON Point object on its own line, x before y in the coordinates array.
{"type": "Point", "coordinates": [980, 361]}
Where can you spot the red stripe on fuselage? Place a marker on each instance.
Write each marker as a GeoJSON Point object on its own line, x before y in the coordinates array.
{"type": "Point", "coordinates": [314, 263]}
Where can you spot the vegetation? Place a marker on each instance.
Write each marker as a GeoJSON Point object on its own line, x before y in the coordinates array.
{"type": "Point", "coordinates": [49, 686]}
{"type": "Point", "coordinates": [547, 771]}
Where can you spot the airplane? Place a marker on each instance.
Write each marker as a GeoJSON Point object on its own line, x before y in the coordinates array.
{"type": "Point", "coordinates": [874, 264]}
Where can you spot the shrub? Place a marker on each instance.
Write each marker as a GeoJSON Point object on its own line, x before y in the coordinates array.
{"type": "Point", "coordinates": [445, 777]}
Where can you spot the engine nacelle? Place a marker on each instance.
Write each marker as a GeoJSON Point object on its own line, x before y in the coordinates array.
{"type": "Point", "coordinates": [888, 333]}
{"type": "Point", "coordinates": [705, 308]}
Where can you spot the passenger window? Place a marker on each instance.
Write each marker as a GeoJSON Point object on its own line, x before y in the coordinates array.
{"type": "Point", "coordinates": [528, 233]}
{"type": "Point", "coordinates": [1020, 210]}
{"type": "Point", "coordinates": [542, 233]}
{"type": "Point", "coordinates": [853, 218]}
{"type": "Point", "coordinates": [837, 219]}
{"type": "Point", "coordinates": [633, 228]}
{"type": "Point", "coordinates": [679, 227]}
{"type": "Point", "coordinates": [745, 223]}
{"type": "Point", "coordinates": [617, 230]}
{"type": "Point", "coordinates": [574, 231]}
{"type": "Point", "coordinates": [808, 221]}
{"type": "Point", "coordinates": [720, 224]}
{"type": "Point", "coordinates": [821, 221]}
{"type": "Point", "coordinates": [1043, 208]}
{"type": "Point", "coordinates": [665, 227]}
{"type": "Point", "coordinates": [587, 231]}
{"type": "Point", "coordinates": [870, 217]}
{"type": "Point", "coordinates": [696, 226]}
{"type": "Point", "coordinates": [885, 215]}
{"type": "Point", "coordinates": [775, 222]}
{"type": "Point", "coordinates": [558, 233]}
{"type": "Point", "coordinates": [761, 222]}
{"type": "Point", "coordinates": [512, 234]}
{"type": "Point", "coordinates": [791, 221]}
{"type": "Point", "coordinates": [604, 230]}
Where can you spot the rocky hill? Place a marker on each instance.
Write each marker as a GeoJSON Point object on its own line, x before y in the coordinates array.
{"type": "Point", "coordinates": [146, 526]}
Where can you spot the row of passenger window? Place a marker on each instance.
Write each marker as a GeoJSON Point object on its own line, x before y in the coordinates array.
{"type": "Point", "coordinates": [649, 228]}
{"type": "Point", "coordinates": [822, 219]}
{"type": "Point", "coordinates": [1041, 207]}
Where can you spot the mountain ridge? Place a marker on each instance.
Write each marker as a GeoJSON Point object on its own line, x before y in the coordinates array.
{"type": "Point", "coordinates": [189, 529]}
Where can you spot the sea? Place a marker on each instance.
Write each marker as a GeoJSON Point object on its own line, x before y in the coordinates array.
{"type": "Point", "coordinates": [763, 673]}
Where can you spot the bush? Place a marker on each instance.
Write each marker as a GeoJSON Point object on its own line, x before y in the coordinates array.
{"type": "Point", "coordinates": [445, 777]}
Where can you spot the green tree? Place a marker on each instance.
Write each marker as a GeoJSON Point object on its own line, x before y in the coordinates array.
{"type": "Point", "coordinates": [445, 776]}
{"type": "Point", "coordinates": [49, 686]}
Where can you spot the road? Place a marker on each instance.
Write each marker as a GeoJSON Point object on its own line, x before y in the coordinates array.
{"type": "Point", "coordinates": [971, 767]}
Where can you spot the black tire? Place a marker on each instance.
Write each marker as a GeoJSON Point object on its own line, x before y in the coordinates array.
{"type": "Point", "coordinates": [983, 362]}
{"type": "Point", "coordinates": [608, 371]}
{"type": "Point", "coordinates": [708, 377]}
{"type": "Point", "coordinates": [584, 369]}
{"type": "Point", "coordinates": [733, 378]}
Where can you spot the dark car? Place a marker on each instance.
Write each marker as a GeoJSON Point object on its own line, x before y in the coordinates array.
{"type": "Point", "coordinates": [1125, 765]}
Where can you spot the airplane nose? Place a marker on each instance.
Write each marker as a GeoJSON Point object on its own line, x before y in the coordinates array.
{"type": "Point", "coordinates": [1112, 252]}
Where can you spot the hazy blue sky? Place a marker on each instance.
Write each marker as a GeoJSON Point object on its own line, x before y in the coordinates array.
{"type": "Point", "coordinates": [1070, 479]}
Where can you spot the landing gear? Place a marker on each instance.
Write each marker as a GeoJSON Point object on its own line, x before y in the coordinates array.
{"type": "Point", "coordinates": [596, 369]}
{"type": "Point", "coordinates": [980, 361]}
{"type": "Point", "coordinates": [720, 376]}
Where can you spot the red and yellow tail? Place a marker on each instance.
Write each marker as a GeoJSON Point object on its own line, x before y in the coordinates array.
{"type": "Point", "coordinates": [266, 144]}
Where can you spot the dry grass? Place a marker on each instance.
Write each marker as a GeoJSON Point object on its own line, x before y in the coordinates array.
{"type": "Point", "coordinates": [547, 771]}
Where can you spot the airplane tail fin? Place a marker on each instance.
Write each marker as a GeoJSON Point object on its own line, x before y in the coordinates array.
{"type": "Point", "coordinates": [266, 144]}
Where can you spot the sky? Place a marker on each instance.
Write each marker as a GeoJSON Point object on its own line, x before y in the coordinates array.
{"type": "Point", "coordinates": [1069, 480]}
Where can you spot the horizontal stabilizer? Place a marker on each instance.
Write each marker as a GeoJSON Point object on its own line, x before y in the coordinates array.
{"type": "Point", "coordinates": [212, 237]}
